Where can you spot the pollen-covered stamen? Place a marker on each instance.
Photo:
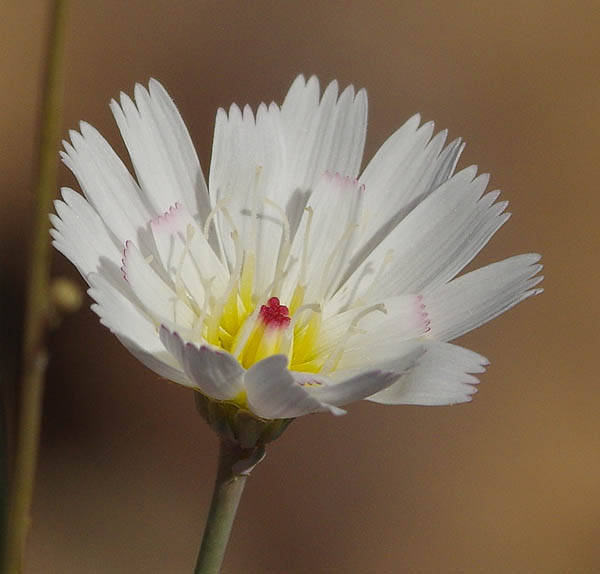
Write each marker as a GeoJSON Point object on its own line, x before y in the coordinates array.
{"type": "Point", "coordinates": [274, 315]}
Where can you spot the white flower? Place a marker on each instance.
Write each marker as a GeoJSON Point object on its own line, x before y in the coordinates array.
{"type": "Point", "coordinates": [288, 286]}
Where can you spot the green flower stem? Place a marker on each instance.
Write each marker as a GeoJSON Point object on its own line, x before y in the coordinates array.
{"type": "Point", "coordinates": [36, 314]}
{"type": "Point", "coordinates": [234, 466]}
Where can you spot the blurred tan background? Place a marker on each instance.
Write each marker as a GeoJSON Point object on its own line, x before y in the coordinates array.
{"type": "Point", "coordinates": [507, 484]}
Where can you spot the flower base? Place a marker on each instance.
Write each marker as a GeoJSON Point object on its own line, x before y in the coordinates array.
{"type": "Point", "coordinates": [238, 425]}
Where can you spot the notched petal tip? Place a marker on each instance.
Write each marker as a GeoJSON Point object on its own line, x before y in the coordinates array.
{"type": "Point", "coordinates": [115, 106]}
{"type": "Point", "coordinates": [361, 94]}
{"type": "Point", "coordinates": [535, 257]}
{"type": "Point", "coordinates": [414, 119]}
{"type": "Point", "coordinates": [126, 104]}
{"type": "Point", "coordinates": [428, 126]}
{"type": "Point", "coordinates": [348, 92]}
{"type": "Point", "coordinates": [64, 155]}
{"type": "Point", "coordinates": [469, 173]}
{"type": "Point", "coordinates": [58, 204]}
{"type": "Point", "coordinates": [341, 181]}
{"type": "Point", "coordinates": [164, 330]}
{"type": "Point", "coordinates": [171, 221]}
{"type": "Point", "coordinates": [235, 112]}
{"type": "Point", "coordinates": [248, 114]}
{"type": "Point", "coordinates": [126, 252]}
{"type": "Point", "coordinates": [299, 79]}
{"type": "Point", "coordinates": [262, 109]}
{"type": "Point", "coordinates": [221, 115]}
{"type": "Point", "coordinates": [140, 92]}
{"type": "Point", "coordinates": [156, 89]}
{"type": "Point", "coordinates": [88, 131]}
{"type": "Point", "coordinates": [312, 81]}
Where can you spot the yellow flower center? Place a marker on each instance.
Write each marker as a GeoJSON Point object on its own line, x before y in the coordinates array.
{"type": "Point", "coordinates": [249, 320]}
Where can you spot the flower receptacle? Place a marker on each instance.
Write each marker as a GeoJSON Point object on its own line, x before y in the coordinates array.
{"type": "Point", "coordinates": [238, 425]}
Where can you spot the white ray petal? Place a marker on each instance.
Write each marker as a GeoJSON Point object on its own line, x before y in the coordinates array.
{"type": "Point", "coordinates": [161, 362]}
{"type": "Point", "coordinates": [353, 389]}
{"type": "Point", "coordinates": [323, 136]}
{"type": "Point", "coordinates": [433, 243]}
{"type": "Point", "coordinates": [159, 299]}
{"type": "Point", "coordinates": [107, 184]}
{"type": "Point", "coordinates": [165, 163]}
{"type": "Point", "coordinates": [405, 170]}
{"type": "Point", "coordinates": [273, 393]}
{"type": "Point", "coordinates": [215, 372]}
{"type": "Point", "coordinates": [80, 234]}
{"type": "Point", "coordinates": [270, 228]}
{"type": "Point", "coordinates": [181, 151]}
{"type": "Point", "coordinates": [186, 254]}
{"type": "Point", "coordinates": [118, 310]}
{"type": "Point", "coordinates": [477, 297]}
{"type": "Point", "coordinates": [335, 207]}
{"type": "Point", "coordinates": [442, 376]}
{"type": "Point", "coordinates": [375, 334]}
{"type": "Point", "coordinates": [246, 174]}
{"type": "Point", "coordinates": [133, 327]}
{"type": "Point", "coordinates": [347, 386]}
{"type": "Point", "coordinates": [279, 156]}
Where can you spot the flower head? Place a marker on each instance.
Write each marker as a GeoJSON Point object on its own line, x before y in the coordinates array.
{"type": "Point", "coordinates": [288, 285]}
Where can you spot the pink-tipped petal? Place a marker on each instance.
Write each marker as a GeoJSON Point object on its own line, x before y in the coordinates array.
{"type": "Point", "coordinates": [441, 376]}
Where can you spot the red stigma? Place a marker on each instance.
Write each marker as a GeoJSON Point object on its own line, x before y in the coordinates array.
{"type": "Point", "coordinates": [274, 315]}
